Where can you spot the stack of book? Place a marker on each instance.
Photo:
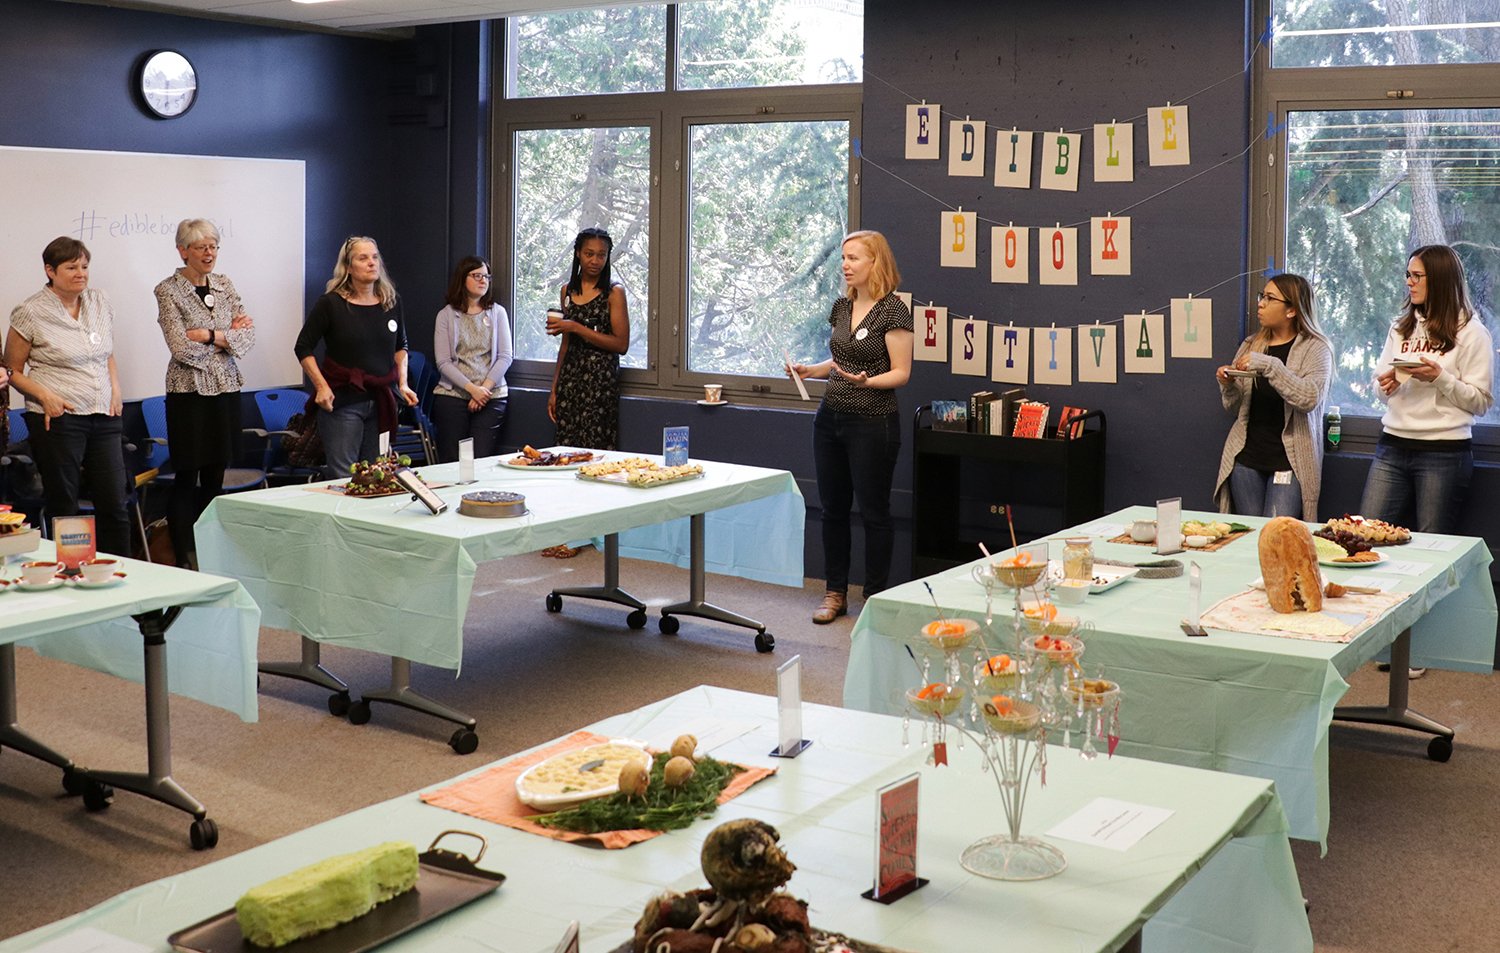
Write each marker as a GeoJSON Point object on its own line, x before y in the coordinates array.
{"type": "Point", "coordinates": [1069, 425]}
{"type": "Point", "coordinates": [1031, 419]}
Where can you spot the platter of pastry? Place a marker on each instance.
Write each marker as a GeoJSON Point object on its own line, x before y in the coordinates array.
{"type": "Point", "coordinates": [1356, 561]}
{"type": "Point", "coordinates": [572, 777]}
{"type": "Point", "coordinates": [552, 458]}
{"type": "Point", "coordinates": [639, 472]}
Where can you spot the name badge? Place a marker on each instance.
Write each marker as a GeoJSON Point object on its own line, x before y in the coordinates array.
{"type": "Point", "coordinates": [861, 334]}
{"type": "Point", "coordinates": [208, 299]}
{"type": "Point", "coordinates": [485, 320]}
{"type": "Point", "coordinates": [1282, 478]}
{"type": "Point", "coordinates": [94, 337]}
{"type": "Point", "coordinates": [392, 325]}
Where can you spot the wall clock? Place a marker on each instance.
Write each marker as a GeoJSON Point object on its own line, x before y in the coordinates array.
{"type": "Point", "coordinates": [166, 83]}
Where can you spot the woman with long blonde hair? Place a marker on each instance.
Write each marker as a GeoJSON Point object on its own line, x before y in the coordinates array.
{"type": "Point", "coordinates": [857, 432]}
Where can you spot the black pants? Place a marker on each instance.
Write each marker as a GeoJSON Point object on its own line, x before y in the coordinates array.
{"type": "Point", "coordinates": [856, 458]}
{"type": "Point", "coordinates": [454, 421]}
{"type": "Point", "coordinates": [84, 446]}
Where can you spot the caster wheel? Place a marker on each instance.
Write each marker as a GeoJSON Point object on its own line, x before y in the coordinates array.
{"type": "Point", "coordinates": [554, 602]}
{"type": "Point", "coordinates": [74, 784]}
{"type": "Point", "coordinates": [464, 741]}
{"type": "Point", "coordinates": [359, 713]}
{"type": "Point", "coordinates": [668, 624]}
{"type": "Point", "coordinates": [96, 796]}
{"type": "Point", "coordinates": [765, 642]}
{"type": "Point", "coordinates": [203, 834]}
{"type": "Point", "coordinates": [338, 704]}
{"type": "Point", "coordinates": [1440, 748]}
{"type": "Point", "coordinates": [636, 619]}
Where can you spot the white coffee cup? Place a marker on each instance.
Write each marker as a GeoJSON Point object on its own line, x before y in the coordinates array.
{"type": "Point", "coordinates": [98, 570]}
{"type": "Point", "coordinates": [38, 573]}
{"type": "Point", "coordinates": [713, 393]}
{"type": "Point", "coordinates": [553, 314]}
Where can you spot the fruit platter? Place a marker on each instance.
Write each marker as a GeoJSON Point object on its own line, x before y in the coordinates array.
{"type": "Point", "coordinates": [553, 458]}
{"type": "Point", "coordinates": [378, 478]}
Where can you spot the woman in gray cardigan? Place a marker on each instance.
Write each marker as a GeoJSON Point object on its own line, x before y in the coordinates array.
{"type": "Point", "coordinates": [1272, 463]}
{"type": "Point", "coordinates": [472, 348]}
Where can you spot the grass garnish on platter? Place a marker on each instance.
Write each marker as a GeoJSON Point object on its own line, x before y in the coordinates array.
{"type": "Point", "coordinates": [659, 809]}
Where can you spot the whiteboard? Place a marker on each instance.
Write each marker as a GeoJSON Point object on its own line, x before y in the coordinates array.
{"type": "Point", "coordinates": [125, 207]}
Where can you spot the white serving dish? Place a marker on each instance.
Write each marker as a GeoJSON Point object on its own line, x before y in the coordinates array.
{"type": "Point", "coordinates": [1105, 577]}
{"type": "Point", "coordinates": [545, 801]}
{"type": "Point", "coordinates": [13, 544]}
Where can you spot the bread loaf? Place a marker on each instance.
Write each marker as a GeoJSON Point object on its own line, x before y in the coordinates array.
{"type": "Point", "coordinates": [1289, 566]}
{"type": "Point", "coordinates": [325, 894]}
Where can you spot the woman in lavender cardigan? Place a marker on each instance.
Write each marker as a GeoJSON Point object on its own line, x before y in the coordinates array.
{"type": "Point", "coordinates": [472, 346]}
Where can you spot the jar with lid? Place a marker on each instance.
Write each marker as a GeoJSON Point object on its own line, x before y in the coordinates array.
{"type": "Point", "coordinates": [1078, 558]}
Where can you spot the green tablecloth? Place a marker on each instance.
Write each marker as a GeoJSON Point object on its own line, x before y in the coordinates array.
{"type": "Point", "coordinates": [389, 577]}
{"type": "Point", "coordinates": [211, 649]}
{"type": "Point", "coordinates": [1216, 877]}
{"type": "Point", "coordinates": [1257, 705]}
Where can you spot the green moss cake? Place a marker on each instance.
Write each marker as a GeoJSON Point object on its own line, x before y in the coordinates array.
{"type": "Point", "coordinates": [325, 894]}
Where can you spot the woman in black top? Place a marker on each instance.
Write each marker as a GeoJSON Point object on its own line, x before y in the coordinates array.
{"type": "Point", "coordinates": [360, 324]}
{"type": "Point", "coordinates": [857, 432]}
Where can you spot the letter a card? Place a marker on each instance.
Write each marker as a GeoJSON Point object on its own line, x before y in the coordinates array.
{"type": "Point", "coordinates": [970, 346]}
{"type": "Point", "coordinates": [1114, 152]}
{"type": "Point", "coordinates": [965, 147]}
{"type": "Point", "coordinates": [1057, 258]}
{"type": "Point", "coordinates": [1145, 344]}
{"type": "Point", "coordinates": [1109, 245]}
{"type": "Point", "coordinates": [1167, 135]}
{"type": "Point", "coordinates": [1060, 152]}
{"type": "Point", "coordinates": [1012, 348]}
{"type": "Point", "coordinates": [1192, 327]}
{"type": "Point", "coordinates": [958, 240]}
{"type": "Point", "coordinates": [922, 125]}
{"type": "Point", "coordinates": [1012, 159]}
{"type": "Point", "coordinates": [1098, 354]}
{"type": "Point", "coordinates": [1010, 255]}
{"type": "Point", "coordinates": [1053, 354]}
{"type": "Point", "coordinates": [931, 324]}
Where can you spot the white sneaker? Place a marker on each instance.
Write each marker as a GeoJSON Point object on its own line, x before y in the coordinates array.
{"type": "Point", "coordinates": [1416, 672]}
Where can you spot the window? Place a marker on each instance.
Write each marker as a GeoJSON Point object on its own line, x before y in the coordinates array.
{"type": "Point", "coordinates": [722, 169]}
{"type": "Point", "coordinates": [1398, 148]}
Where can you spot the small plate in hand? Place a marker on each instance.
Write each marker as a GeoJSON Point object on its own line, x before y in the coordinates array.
{"type": "Point", "coordinates": [1409, 365]}
{"type": "Point", "coordinates": [1236, 372]}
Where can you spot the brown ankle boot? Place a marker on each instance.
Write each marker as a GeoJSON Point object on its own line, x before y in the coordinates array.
{"type": "Point", "coordinates": [834, 605]}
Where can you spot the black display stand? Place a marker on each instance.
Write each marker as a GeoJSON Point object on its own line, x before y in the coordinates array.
{"type": "Point", "coordinates": [1068, 485]}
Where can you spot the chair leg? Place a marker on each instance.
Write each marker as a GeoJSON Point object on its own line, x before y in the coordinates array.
{"type": "Point", "coordinates": [140, 526]}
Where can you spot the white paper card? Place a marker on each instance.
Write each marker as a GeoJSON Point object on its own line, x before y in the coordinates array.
{"type": "Point", "coordinates": [1057, 256]}
{"type": "Point", "coordinates": [1012, 347]}
{"type": "Point", "coordinates": [789, 704]}
{"type": "Point", "coordinates": [971, 347]}
{"type": "Point", "coordinates": [466, 460]}
{"type": "Point", "coordinates": [1060, 152]}
{"type": "Point", "coordinates": [1433, 545]}
{"type": "Point", "coordinates": [1054, 356]}
{"type": "Point", "coordinates": [1167, 135]}
{"type": "Point", "coordinates": [965, 147]}
{"type": "Point", "coordinates": [1145, 345]}
{"type": "Point", "coordinates": [1012, 159]}
{"type": "Point", "coordinates": [1383, 583]}
{"type": "Point", "coordinates": [957, 240]}
{"type": "Point", "coordinates": [801, 387]}
{"type": "Point", "coordinates": [385, 442]}
{"type": "Point", "coordinates": [922, 138]}
{"type": "Point", "coordinates": [710, 731]}
{"type": "Point", "coordinates": [931, 343]}
{"type": "Point", "coordinates": [1010, 255]}
{"type": "Point", "coordinates": [1098, 353]}
{"type": "Point", "coordinates": [1114, 152]}
{"type": "Point", "coordinates": [1169, 526]}
{"type": "Point", "coordinates": [1195, 596]}
{"type": "Point", "coordinates": [35, 602]}
{"type": "Point", "coordinates": [89, 940]}
{"type": "Point", "coordinates": [1107, 530]}
{"type": "Point", "coordinates": [1193, 327]}
{"type": "Point", "coordinates": [1109, 245]}
{"type": "Point", "coordinates": [1116, 825]}
{"type": "Point", "coordinates": [1403, 567]}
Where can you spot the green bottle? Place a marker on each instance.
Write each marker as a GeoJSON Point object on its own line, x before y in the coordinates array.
{"type": "Point", "coordinates": [1333, 426]}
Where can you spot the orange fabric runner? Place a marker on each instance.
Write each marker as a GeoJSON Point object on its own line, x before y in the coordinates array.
{"type": "Point", "coordinates": [491, 795]}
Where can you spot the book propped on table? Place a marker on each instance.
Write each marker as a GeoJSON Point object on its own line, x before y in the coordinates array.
{"type": "Point", "coordinates": [950, 415]}
{"type": "Point", "coordinates": [1069, 426]}
{"type": "Point", "coordinates": [1031, 419]}
{"type": "Point", "coordinates": [1004, 426]}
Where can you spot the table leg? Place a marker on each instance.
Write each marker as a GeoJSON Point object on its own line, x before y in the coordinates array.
{"type": "Point", "coordinates": [610, 591]}
{"type": "Point", "coordinates": [696, 606]}
{"type": "Point", "coordinates": [401, 693]}
{"type": "Point", "coordinates": [11, 735]}
{"type": "Point", "coordinates": [1395, 712]}
{"type": "Point", "coordinates": [311, 669]}
{"type": "Point", "coordinates": [157, 782]}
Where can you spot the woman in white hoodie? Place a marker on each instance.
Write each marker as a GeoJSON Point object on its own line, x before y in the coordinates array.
{"type": "Point", "coordinates": [1436, 373]}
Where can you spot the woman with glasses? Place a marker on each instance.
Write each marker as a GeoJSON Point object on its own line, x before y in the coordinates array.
{"type": "Point", "coordinates": [1272, 463]}
{"type": "Point", "coordinates": [472, 347]}
{"type": "Point", "coordinates": [1435, 375]}
{"type": "Point", "coordinates": [207, 329]}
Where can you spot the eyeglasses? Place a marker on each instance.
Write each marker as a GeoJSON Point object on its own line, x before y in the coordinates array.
{"type": "Point", "coordinates": [202, 247]}
{"type": "Point", "coordinates": [1265, 297]}
{"type": "Point", "coordinates": [1415, 275]}
{"type": "Point", "coordinates": [479, 276]}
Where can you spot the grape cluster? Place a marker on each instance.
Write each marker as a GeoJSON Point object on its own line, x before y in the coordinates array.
{"type": "Point", "coordinates": [1352, 544]}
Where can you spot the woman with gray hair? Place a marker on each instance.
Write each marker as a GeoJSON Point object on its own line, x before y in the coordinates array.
{"type": "Point", "coordinates": [206, 328]}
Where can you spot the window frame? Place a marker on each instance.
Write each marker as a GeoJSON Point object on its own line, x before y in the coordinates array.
{"type": "Point", "coordinates": [670, 116]}
{"type": "Point", "coordinates": [1275, 92]}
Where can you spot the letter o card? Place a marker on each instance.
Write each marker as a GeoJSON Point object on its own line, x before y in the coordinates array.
{"type": "Point", "coordinates": [1114, 152]}
{"type": "Point", "coordinates": [1098, 354]}
{"type": "Point", "coordinates": [1167, 135]}
{"type": "Point", "coordinates": [1053, 354]}
{"type": "Point", "coordinates": [970, 347]}
{"type": "Point", "coordinates": [1012, 346]}
{"type": "Point", "coordinates": [1060, 154]}
{"type": "Point", "coordinates": [1193, 327]}
{"type": "Point", "coordinates": [922, 125]}
{"type": "Point", "coordinates": [958, 240]}
{"type": "Point", "coordinates": [1145, 344]}
{"type": "Point", "coordinates": [1012, 159]}
{"type": "Point", "coordinates": [1057, 256]}
{"type": "Point", "coordinates": [1010, 255]}
{"type": "Point", "coordinates": [931, 333]}
{"type": "Point", "coordinates": [1109, 251]}
{"type": "Point", "coordinates": [965, 147]}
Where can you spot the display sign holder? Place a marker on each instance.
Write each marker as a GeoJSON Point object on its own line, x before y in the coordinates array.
{"type": "Point", "coordinates": [1169, 526]}
{"type": "Point", "coordinates": [674, 446]}
{"type": "Point", "coordinates": [1194, 624]}
{"type": "Point", "coordinates": [419, 490]}
{"type": "Point", "coordinates": [789, 710]}
{"type": "Point", "coordinates": [466, 462]}
{"type": "Point", "coordinates": [896, 842]}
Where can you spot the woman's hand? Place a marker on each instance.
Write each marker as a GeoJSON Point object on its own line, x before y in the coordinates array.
{"type": "Point", "coordinates": [4, 376]}
{"type": "Point", "coordinates": [797, 370]}
{"type": "Point", "coordinates": [475, 405]}
{"type": "Point", "coordinates": [477, 393]}
{"type": "Point", "coordinates": [556, 325]}
{"type": "Point", "coordinates": [858, 380]}
{"type": "Point", "coordinates": [1222, 374]}
{"type": "Point", "coordinates": [408, 395]}
{"type": "Point", "coordinates": [116, 403]}
{"type": "Point", "coordinates": [52, 406]}
{"type": "Point", "coordinates": [323, 397]}
{"type": "Point", "coordinates": [1431, 372]}
{"type": "Point", "coordinates": [200, 335]}
{"type": "Point", "coordinates": [241, 322]}
{"type": "Point", "coordinates": [1387, 382]}
{"type": "Point", "coordinates": [552, 406]}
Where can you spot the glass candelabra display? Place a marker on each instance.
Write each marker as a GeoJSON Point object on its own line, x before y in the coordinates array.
{"type": "Point", "coordinates": [1014, 704]}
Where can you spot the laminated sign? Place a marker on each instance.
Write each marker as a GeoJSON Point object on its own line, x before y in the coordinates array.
{"type": "Point", "coordinates": [1012, 159]}
{"type": "Point", "coordinates": [970, 350]}
{"type": "Point", "coordinates": [958, 240]}
{"type": "Point", "coordinates": [1109, 245]}
{"type": "Point", "coordinates": [1192, 327]}
{"type": "Point", "coordinates": [1145, 344]}
{"type": "Point", "coordinates": [1114, 152]}
{"type": "Point", "coordinates": [1098, 349]}
{"type": "Point", "coordinates": [1060, 153]}
{"type": "Point", "coordinates": [1053, 355]}
{"type": "Point", "coordinates": [965, 147]}
{"type": "Point", "coordinates": [931, 339]}
{"type": "Point", "coordinates": [1167, 134]}
{"type": "Point", "coordinates": [1010, 255]}
{"type": "Point", "coordinates": [1057, 256]}
{"type": "Point", "coordinates": [1012, 347]}
{"type": "Point", "coordinates": [922, 139]}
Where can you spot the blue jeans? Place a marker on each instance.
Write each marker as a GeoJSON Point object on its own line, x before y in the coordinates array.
{"type": "Point", "coordinates": [1433, 482]}
{"type": "Point", "coordinates": [84, 446]}
{"type": "Point", "coordinates": [350, 434]}
{"type": "Point", "coordinates": [1256, 493]}
{"type": "Point", "coordinates": [855, 456]}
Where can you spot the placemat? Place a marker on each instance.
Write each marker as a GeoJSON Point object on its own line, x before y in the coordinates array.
{"type": "Point", "coordinates": [338, 490]}
{"type": "Point", "coordinates": [1249, 611]}
{"type": "Point", "coordinates": [1219, 543]}
{"type": "Point", "coordinates": [491, 795]}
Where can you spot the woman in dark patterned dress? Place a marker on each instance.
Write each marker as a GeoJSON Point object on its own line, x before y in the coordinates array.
{"type": "Point", "coordinates": [595, 329]}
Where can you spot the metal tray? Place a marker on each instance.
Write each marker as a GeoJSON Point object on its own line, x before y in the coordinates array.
{"type": "Point", "coordinates": [618, 479]}
{"type": "Point", "coordinates": [447, 880]}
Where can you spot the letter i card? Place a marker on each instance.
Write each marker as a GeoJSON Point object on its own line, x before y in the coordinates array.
{"type": "Point", "coordinates": [1052, 350]}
